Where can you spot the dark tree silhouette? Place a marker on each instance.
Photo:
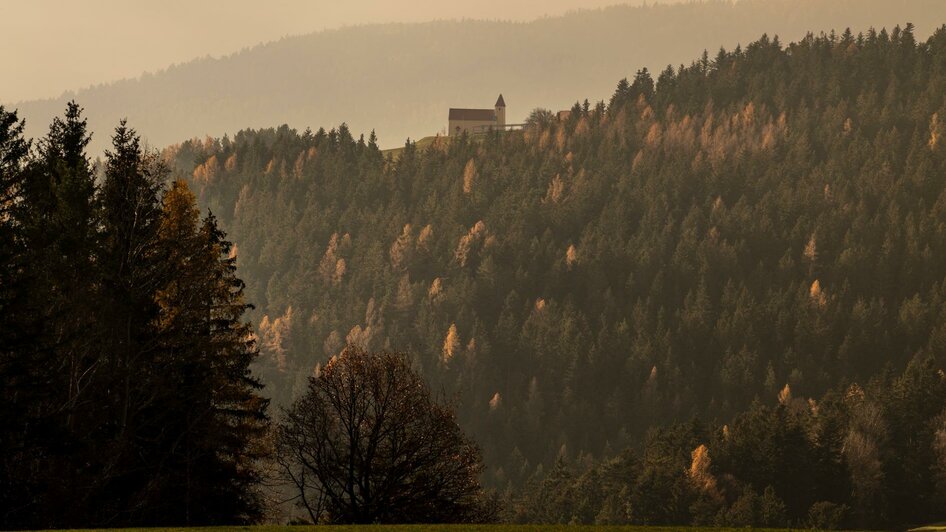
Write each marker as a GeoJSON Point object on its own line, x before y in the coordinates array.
{"type": "Point", "coordinates": [125, 386]}
{"type": "Point", "coordinates": [368, 444]}
{"type": "Point", "coordinates": [22, 380]}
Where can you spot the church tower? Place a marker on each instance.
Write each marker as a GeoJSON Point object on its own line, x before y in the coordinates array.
{"type": "Point", "coordinates": [500, 112]}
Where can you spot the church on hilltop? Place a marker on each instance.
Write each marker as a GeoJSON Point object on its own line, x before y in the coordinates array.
{"type": "Point", "coordinates": [477, 120]}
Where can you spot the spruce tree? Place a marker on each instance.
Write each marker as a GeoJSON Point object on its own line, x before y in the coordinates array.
{"type": "Point", "coordinates": [23, 370]}
{"type": "Point", "coordinates": [129, 433]}
{"type": "Point", "coordinates": [232, 440]}
{"type": "Point", "coordinates": [13, 151]}
{"type": "Point", "coordinates": [60, 228]}
{"type": "Point", "coordinates": [218, 414]}
{"type": "Point", "coordinates": [63, 239]}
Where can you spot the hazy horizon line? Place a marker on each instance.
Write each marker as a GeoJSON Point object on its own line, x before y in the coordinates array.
{"type": "Point", "coordinates": [146, 72]}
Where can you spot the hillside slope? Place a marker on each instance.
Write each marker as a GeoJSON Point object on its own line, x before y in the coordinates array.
{"type": "Point", "coordinates": [400, 79]}
{"type": "Point", "coordinates": [770, 221]}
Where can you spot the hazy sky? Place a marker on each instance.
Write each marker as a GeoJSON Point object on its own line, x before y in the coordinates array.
{"type": "Point", "coordinates": [55, 45]}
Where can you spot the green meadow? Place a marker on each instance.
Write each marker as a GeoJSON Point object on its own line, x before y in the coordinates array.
{"type": "Point", "coordinates": [458, 528]}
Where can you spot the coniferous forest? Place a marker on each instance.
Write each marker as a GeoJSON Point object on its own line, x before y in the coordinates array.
{"type": "Point", "coordinates": [717, 298]}
{"type": "Point", "coordinates": [126, 395]}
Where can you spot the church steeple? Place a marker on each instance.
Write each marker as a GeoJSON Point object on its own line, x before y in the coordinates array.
{"type": "Point", "coordinates": [500, 112]}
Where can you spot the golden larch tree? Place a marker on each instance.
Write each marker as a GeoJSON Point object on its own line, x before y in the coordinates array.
{"type": "Point", "coordinates": [469, 177]}
{"type": "Point", "coordinates": [451, 344]}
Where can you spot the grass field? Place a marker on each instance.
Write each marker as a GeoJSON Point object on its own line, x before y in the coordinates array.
{"type": "Point", "coordinates": [421, 144]}
{"type": "Point", "coordinates": [426, 142]}
{"type": "Point", "coordinates": [453, 528]}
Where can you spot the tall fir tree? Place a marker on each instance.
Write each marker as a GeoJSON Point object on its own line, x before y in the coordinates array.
{"type": "Point", "coordinates": [219, 415]}
{"type": "Point", "coordinates": [60, 226]}
{"type": "Point", "coordinates": [24, 383]}
{"type": "Point", "coordinates": [129, 433]}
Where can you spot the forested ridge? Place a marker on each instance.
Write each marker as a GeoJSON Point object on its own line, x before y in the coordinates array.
{"type": "Point", "coordinates": [400, 79]}
{"type": "Point", "coordinates": [722, 243]}
{"type": "Point", "coordinates": [717, 298]}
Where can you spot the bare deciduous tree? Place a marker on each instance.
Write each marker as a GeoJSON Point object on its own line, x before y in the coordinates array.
{"type": "Point", "coordinates": [368, 444]}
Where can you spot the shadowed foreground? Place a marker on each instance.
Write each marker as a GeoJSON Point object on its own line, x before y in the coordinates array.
{"type": "Point", "coordinates": [433, 528]}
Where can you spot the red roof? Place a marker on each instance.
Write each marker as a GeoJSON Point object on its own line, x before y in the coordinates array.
{"type": "Point", "coordinates": [473, 114]}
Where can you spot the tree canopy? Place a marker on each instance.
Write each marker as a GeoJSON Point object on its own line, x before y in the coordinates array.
{"type": "Point", "coordinates": [368, 444]}
{"type": "Point", "coordinates": [765, 219]}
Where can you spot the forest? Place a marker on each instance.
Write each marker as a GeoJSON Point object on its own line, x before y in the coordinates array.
{"type": "Point", "coordinates": [716, 298]}
{"type": "Point", "coordinates": [753, 240]}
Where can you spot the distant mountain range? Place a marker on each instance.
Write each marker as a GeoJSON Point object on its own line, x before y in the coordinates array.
{"type": "Point", "coordinates": [400, 79]}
